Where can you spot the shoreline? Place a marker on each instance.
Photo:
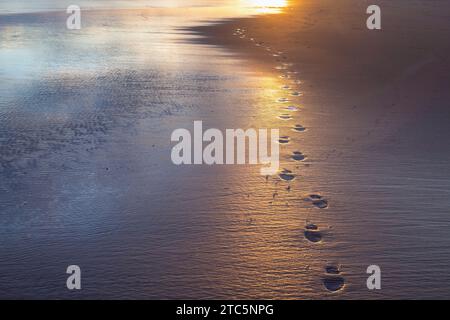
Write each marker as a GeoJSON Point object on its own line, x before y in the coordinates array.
{"type": "Point", "coordinates": [373, 77]}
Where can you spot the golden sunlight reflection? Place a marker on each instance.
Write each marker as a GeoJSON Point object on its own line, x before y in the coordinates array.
{"type": "Point", "coordinates": [266, 6]}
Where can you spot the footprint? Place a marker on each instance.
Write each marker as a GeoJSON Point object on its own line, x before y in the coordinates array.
{"type": "Point", "coordinates": [297, 81]}
{"type": "Point", "coordinates": [285, 76]}
{"type": "Point", "coordinates": [299, 128]}
{"type": "Point", "coordinates": [284, 140]}
{"type": "Point", "coordinates": [298, 156]}
{"type": "Point", "coordinates": [332, 269]}
{"type": "Point", "coordinates": [333, 283]}
{"type": "Point", "coordinates": [280, 67]}
{"type": "Point", "coordinates": [285, 116]}
{"type": "Point", "coordinates": [283, 100]}
{"type": "Point", "coordinates": [312, 233]}
{"type": "Point", "coordinates": [291, 108]}
{"type": "Point", "coordinates": [321, 204]}
{"type": "Point", "coordinates": [313, 236]}
{"type": "Point", "coordinates": [286, 87]}
{"type": "Point", "coordinates": [286, 175]}
{"type": "Point", "coordinates": [318, 201]}
{"type": "Point", "coordinates": [296, 94]}
{"type": "Point", "coordinates": [311, 226]}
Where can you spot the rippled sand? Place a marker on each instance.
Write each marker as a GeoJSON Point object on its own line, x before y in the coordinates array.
{"type": "Point", "coordinates": [375, 105]}
{"type": "Point", "coordinates": [86, 176]}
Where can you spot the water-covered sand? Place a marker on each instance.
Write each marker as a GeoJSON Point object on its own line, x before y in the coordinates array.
{"type": "Point", "coordinates": [86, 175]}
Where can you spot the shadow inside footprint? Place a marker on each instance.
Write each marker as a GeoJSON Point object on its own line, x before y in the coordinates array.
{"type": "Point", "coordinates": [284, 140]}
{"type": "Point", "coordinates": [321, 204]}
{"type": "Point", "coordinates": [332, 269]}
{"type": "Point", "coordinates": [285, 116]}
{"type": "Point", "coordinates": [333, 283]}
{"type": "Point", "coordinates": [298, 156]}
{"type": "Point", "coordinates": [313, 236]}
{"type": "Point", "coordinates": [299, 128]}
{"type": "Point", "coordinates": [311, 226]}
{"type": "Point", "coordinates": [286, 175]}
{"type": "Point", "coordinates": [318, 201]}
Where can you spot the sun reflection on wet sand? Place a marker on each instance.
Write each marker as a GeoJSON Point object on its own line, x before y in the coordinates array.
{"type": "Point", "coordinates": [216, 232]}
{"type": "Point", "coordinates": [265, 6]}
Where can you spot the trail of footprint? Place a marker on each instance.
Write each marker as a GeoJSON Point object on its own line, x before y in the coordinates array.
{"type": "Point", "coordinates": [332, 280]}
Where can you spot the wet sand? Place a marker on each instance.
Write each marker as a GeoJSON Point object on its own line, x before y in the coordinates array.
{"type": "Point", "coordinates": [375, 106]}
{"type": "Point", "coordinates": [363, 177]}
{"type": "Point", "coordinates": [86, 175]}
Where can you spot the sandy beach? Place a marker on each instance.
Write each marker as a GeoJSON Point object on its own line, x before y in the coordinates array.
{"type": "Point", "coordinates": [376, 105]}
{"type": "Point", "coordinates": [86, 175]}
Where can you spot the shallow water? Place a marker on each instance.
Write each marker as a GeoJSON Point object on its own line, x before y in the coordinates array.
{"type": "Point", "coordinates": [86, 175]}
